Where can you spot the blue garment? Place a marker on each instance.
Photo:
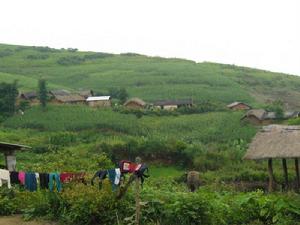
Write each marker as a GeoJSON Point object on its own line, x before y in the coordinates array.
{"type": "Point", "coordinates": [30, 181]}
{"type": "Point", "coordinates": [56, 177]}
{"type": "Point", "coordinates": [112, 177]}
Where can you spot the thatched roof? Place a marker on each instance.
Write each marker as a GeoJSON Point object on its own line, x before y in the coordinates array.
{"type": "Point", "coordinates": [262, 114]}
{"type": "Point", "coordinates": [56, 93]}
{"type": "Point", "coordinates": [258, 113]}
{"type": "Point", "coordinates": [72, 98]}
{"type": "Point", "coordinates": [4, 146]}
{"type": "Point", "coordinates": [86, 93]}
{"type": "Point", "coordinates": [28, 95]}
{"type": "Point", "coordinates": [275, 141]}
{"type": "Point", "coordinates": [138, 101]}
{"type": "Point", "coordinates": [174, 102]}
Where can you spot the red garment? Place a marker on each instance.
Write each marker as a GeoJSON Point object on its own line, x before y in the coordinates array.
{"type": "Point", "coordinates": [66, 177]}
{"type": "Point", "coordinates": [129, 167]}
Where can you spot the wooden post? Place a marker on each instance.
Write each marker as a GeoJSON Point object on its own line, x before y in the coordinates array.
{"type": "Point", "coordinates": [297, 174]}
{"type": "Point", "coordinates": [137, 196]}
{"type": "Point", "coordinates": [271, 176]}
{"type": "Point", "coordinates": [285, 173]}
{"type": "Point", "coordinates": [137, 201]}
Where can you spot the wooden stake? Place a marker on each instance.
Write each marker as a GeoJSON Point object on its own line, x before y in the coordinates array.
{"type": "Point", "coordinates": [297, 174]}
{"type": "Point", "coordinates": [138, 160]}
{"type": "Point", "coordinates": [285, 173]}
{"type": "Point", "coordinates": [137, 201]}
{"type": "Point", "coordinates": [271, 176]}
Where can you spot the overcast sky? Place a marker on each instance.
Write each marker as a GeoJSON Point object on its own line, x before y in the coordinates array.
{"type": "Point", "coordinates": [256, 33]}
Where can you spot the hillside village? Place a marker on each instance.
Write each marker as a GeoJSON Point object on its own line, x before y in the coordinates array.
{"type": "Point", "coordinates": [86, 97]}
{"type": "Point", "coordinates": [236, 127]}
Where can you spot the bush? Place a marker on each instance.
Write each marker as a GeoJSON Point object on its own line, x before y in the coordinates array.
{"type": "Point", "coordinates": [38, 57]}
{"type": "Point", "coordinates": [70, 60]}
{"type": "Point", "coordinates": [5, 52]}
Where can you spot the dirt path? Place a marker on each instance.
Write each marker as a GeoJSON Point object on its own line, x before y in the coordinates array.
{"type": "Point", "coordinates": [17, 220]}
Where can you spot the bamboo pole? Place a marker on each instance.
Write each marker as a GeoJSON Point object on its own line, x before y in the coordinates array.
{"type": "Point", "coordinates": [285, 173]}
{"type": "Point", "coordinates": [297, 174]}
{"type": "Point", "coordinates": [271, 176]}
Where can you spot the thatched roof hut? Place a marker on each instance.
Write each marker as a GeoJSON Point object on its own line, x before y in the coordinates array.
{"type": "Point", "coordinates": [72, 98]}
{"type": "Point", "coordinates": [135, 103]}
{"type": "Point", "coordinates": [9, 149]}
{"type": "Point", "coordinates": [276, 142]}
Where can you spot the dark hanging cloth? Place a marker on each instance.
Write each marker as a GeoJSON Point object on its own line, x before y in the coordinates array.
{"type": "Point", "coordinates": [112, 177]}
{"type": "Point", "coordinates": [14, 177]}
{"type": "Point", "coordinates": [142, 171]}
{"type": "Point", "coordinates": [44, 180]}
{"type": "Point", "coordinates": [30, 182]}
{"type": "Point", "coordinates": [102, 174]}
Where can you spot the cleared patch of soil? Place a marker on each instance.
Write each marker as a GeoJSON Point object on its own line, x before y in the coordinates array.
{"type": "Point", "coordinates": [17, 220]}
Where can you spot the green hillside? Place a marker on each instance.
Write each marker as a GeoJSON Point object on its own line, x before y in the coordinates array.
{"type": "Point", "coordinates": [150, 78]}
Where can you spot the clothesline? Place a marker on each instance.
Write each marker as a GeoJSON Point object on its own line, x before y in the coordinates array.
{"type": "Point", "coordinates": [31, 181]}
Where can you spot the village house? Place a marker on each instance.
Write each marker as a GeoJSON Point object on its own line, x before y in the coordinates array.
{"type": "Point", "coordinates": [135, 103]}
{"type": "Point", "coordinates": [28, 96]}
{"type": "Point", "coordinates": [173, 104]}
{"type": "Point", "coordinates": [86, 93]}
{"type": "Point", "coordinates": [277, 142]}
{"type": "Point", "coordinates": [65, 97]}
{"type": "Point", "coordinates": [99, 101]}
{"type": "Point", "coordinates": [262, 117]}
{"type": "Point", "coordinates": [238, 106]}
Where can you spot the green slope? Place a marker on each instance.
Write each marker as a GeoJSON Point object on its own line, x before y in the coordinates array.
{"type": "Point", "coordinates": [150, 78]}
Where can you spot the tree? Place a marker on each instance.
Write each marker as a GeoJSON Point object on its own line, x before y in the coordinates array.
{"type": "Point", "coordinates": [43, 93]}
{"type": "Point", "coordinates": [123, 95]}
{"type": "Point", "coordinates": [119, 93]}
{"type": "Point", "coordinates": [8, 98]}
{"type": "Point", "coordinates": [276, 106]}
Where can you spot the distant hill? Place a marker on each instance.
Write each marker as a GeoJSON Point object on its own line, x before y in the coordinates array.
{"type": "Point", "coordinates": [150, 78]}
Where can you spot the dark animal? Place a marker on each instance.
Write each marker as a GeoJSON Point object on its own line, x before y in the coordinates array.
{"type": "Point", "coordinates": [193, 180]}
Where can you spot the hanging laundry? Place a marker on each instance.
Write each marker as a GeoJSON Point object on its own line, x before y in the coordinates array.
{"type": "Point", "coordinates": [102, 174]}
{"type": "Point", "coordinates": [44, 180]}
{"type": "Point", "coordinates": [14, 177]}
{"type": "Point", "coordinates": [22, 177]}
{"type": "Point", "coordinates": [112, 177]}
{"type": "Point", "coordinates": [79, 177]}
{"type": "Point", "coordinates": [56, 177]}
{"type": "Point", "coordinates": [125, 166]}
{"type": "Point", "coordinates": [5, 176]}
{"type": "Point", "coordinates": [118, 176]}
{"type": "Point", "coordinates": [30, 181]}
{"type": "Point", "coordinates": [66, 177]}
{"type": "Point", "coordinates": [142, 171]}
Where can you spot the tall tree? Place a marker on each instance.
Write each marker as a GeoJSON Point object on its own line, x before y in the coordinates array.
{"type": "Point", "coordinates": [8, 98]}
{"type": "Point", "coordinates": [43, 92]}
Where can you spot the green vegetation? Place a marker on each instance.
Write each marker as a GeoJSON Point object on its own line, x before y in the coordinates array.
{"type": "Point", "coordinates": [208, 138]}
{"type": "Point", "coordinates": [150, 78]}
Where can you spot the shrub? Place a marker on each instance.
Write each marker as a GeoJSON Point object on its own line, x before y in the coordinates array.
{"type": "Point", "coordinates": [38, 57]}
{"type": "Point", "coordinates": [70, 60]}
{"type": "Point", "coordinates": [5, 52]}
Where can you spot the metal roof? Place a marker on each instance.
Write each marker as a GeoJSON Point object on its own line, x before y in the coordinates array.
{"type": "Point", "coordinates": [98, 98]}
